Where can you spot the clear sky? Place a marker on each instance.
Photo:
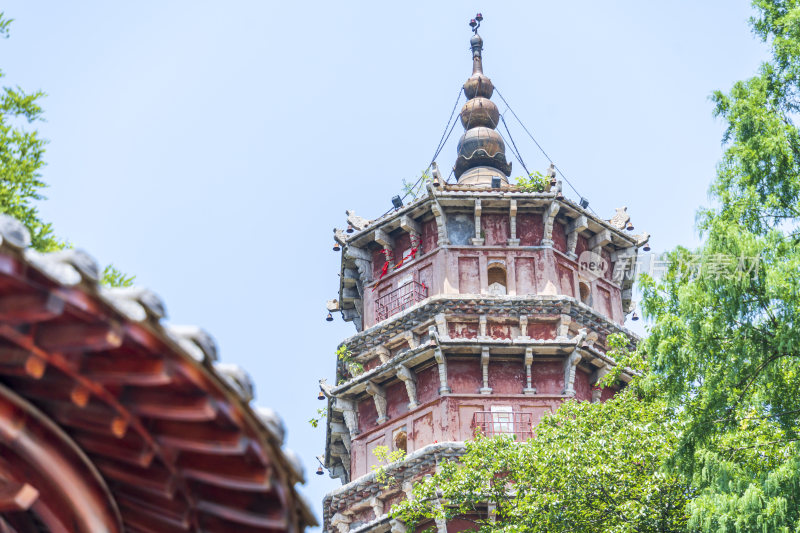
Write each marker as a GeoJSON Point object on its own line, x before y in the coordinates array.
{"type": "Point", "coordinates": [209, 148]}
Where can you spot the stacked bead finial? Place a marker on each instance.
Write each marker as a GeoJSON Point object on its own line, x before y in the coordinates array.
{"type": "Point", "coordinates": [481, 150]}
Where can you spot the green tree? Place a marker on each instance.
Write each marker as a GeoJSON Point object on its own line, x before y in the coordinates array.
{"type": "Point", "coordinates": [21, 162]}
{"type": "Point", "coordinates": [725, 342]}
{"type": "Point", "coordinates": [21, 159]}
{"type": "Point", "coordinates": [591, 467]}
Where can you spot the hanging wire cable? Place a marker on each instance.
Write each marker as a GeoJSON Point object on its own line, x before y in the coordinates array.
{"type": "Point", "coordinates": [517, 153]}
{"type": "Point", "coordinates": [540, 147]}
{"type": "Point", "coordinates": [452, 171]}
{"type": "Point", "coordinates": [448, 129]}
{"type": "Point", "coordinates": [443, 140]}
{"type": "Point", "coordinates": [511, 149]}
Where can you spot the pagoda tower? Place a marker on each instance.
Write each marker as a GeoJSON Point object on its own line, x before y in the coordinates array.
{"type": "Point", "coordinates": [479, 307]}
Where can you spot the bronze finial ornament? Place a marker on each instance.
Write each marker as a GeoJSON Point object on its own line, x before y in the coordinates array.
{"type": "Point", "coordinates": [481, 151]}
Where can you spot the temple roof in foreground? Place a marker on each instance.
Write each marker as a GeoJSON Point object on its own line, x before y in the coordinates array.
{"type": "Point", "coordinates": [113, 420]}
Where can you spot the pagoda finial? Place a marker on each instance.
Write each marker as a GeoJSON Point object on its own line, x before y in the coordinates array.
{"type": "Point", "coordinates": [476, 43]}
{"type": "Point", "coordinates": [481, 151]}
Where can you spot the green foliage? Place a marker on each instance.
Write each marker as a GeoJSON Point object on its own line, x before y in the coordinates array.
{"type": "Point", "coordinates": [322, 412]}
{"type": "Point", "coordinates": [350, 366]}
{"type": "Point", "coordinates": [21, 162]}
{"type": "Point", "coordinates": [535, 182]}
{"type": "Point", "coordinates": [21, 159]}
{"type": "Point", "coordinates": [726, 349]}
{"type": "Point", "coordinates": [385, 457]}
{"type": "Point", "coordinates": [112, 277]}
{"type": "Point", "coordinates": [415, 188]}
{"type": "Point", "coordinates": [591, 467]}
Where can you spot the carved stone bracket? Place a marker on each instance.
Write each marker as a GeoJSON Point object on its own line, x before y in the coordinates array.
{"type": "Point", "coordinates": [340, 429]}
{"type": "Point", "coordinates": [441, 221]}
{"type": "Point", "coordinates": [379, 397]}
{"type": "Point", "coordinates": [478, 240]}
{"type": "Point", "coordinates": [407, 376]}
{"type": "Point", "coordinates": [598, 375]}
{"type": "Point", "coordinates": [548, 218]}
{"type": "Point", "coordinates": [482, 326]}
{"type": "Point", "coordinates": [523, 328]}
{"type": "Point", "coordinates": [571, 363]}
{"type": "Point", "coordinates": [574, 228]}
{"type": "Point", "coordinates": [442, 362]}
{"type": "Point", "coordinates": [397, 526]}
{"type": "Point", "coordinates": [512, 212]}
{"type": "Point", "coordinates": [341, 523]}
{"type": "Point", "coordinates": [441, 326]}
{"type": "Point", "coordinates": [412, 227]}
{"type": "Point", "coordinates": [383, 238]}
{"type": "Point", "coordinates": [377, 506]}
{"type": "Point", "coordinates": [383, 353]}
{"type": "Point", "coordinates": [597, 242]}
{"type": "Point", "coordinates": [349, 413]}
{"type": "Point", "coordinates": [563, 326]}
{"type": "Point", "coordinates": [529, 389]}
{"type": "Point", "coordinates": [485, 368]}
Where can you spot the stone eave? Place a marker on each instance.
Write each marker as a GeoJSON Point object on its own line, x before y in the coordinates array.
{"type": "Point", "coordinates": [391, 221]}
{"type": "Point", "coordinates": [412, 466]}
{"type": "Point", "coordinates": [385, 372]}
{"type": "Point", "coordinates": [422, 313]}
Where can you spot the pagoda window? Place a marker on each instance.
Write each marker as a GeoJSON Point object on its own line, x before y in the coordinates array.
{"type": "Point", "coordinates": [400, 439]}
{"type": "Point", "coordinates": [496, 277]}
{"type": "Point", "coordinates": [586, 293]}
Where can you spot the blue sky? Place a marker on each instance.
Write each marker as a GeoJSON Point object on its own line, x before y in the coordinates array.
{"type": "Point", "coordinates": [209, 148]}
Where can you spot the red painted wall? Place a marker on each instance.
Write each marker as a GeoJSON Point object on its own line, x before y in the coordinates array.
{"type": "Point", "coordinates": [469, 281]}
{"type": "Point", "coordinates": [402, 245]}
{"type": "Point", "coordinates": [529, 229]}
{"type": "Point", "coordinates": [498, 331]}
{"type": "Point", "coordinates": [427, 384]}
{"type": "Point", "coordinates": [559, 237]}
{"type": "Point", "coordinates": [525, 275]}
{"type": "Point", "coordinates": [609, 273]}
{"type": "Point", "coordinates": [378, 260]}
{"type": "Point", "coordinates": [367, 415]}
{"type": "Point", "coordinates": [538, 330]}
{"type": "Point", "coordinates": [582, 245]}
{"type": "Point", "coordinates": [396, 400]}
{"type": "Point", "coordinates": [495, 228]}
{"type": "Point", "coordinates": [583, 391]}
{"type": "Point", "coordinates": [462, 330]}
{"type": "Point", "coordinates": [430, 235]}
{"type": "Point", "coordinates": [464, 376]}
{"type": "Point", "coordinates": [506, 377]}
{"type": "Point", "coordinates": [372, 363]}
{"type": "Point", "coordinates": [548, 377]}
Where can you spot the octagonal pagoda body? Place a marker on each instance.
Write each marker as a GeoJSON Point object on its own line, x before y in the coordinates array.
{"type": "Point", "coordinates": [476, 310]}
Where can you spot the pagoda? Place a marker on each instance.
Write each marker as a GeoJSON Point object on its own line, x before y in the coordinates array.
{"type": "Point", "coordinates": [479, 307]}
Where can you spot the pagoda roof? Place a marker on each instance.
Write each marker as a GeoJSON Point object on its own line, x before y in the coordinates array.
{"type": "Point", "coordinates": [163, 435]}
